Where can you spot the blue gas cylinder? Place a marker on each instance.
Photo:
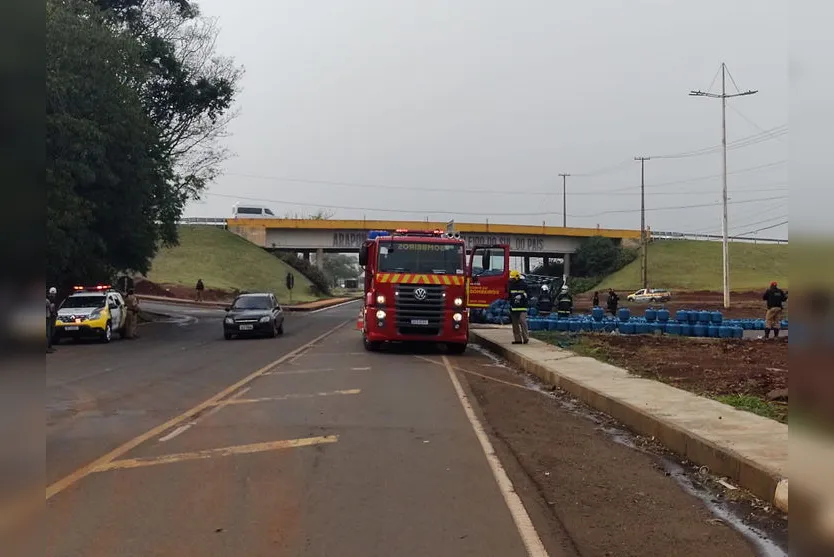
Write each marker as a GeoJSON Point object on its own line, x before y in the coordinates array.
{"type": "Point", "coordinates": [686, 329]}
{"type": "Point", "coordinates": [562, 325]}
{"type": "Point", "coordinates": [725, 332]}
{"type": "Point", "coordinates": [712, 331]}
{"type": "Point", "coordinates": [598, 326]}
{"type": "Point", "coordinates": [533, 312]}
{"type": "Point", "coordinates": [552, 324]}
{"type": "Point", "coordinates": [673, 328]}
{"type": "Point", "coordinates": [704, 316]}
{"type": "Point", "coordinates": [699, 330]}
{"type": "Point", "coordinates": [682, 316]}
{"type": "Point", "coordinates": [784, 324]}
{"type": "Point", "coordinates": [663, 315]}
{"type": "Point", "coordinates": [738, 332]}
{"type": "Point", "coordinates": [651, 314]}
{"type": "Point", "coordinates": [716, 317]}
{"type": "Point", "coordinates": [623, 314]}
{"type": "Point", "coordinates": [598, 313]}
{"type": "Point", "coordinates": [574, 325]}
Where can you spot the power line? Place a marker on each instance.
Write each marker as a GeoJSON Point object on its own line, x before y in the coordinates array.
{"type": "Point", "coordinates": [482, 191]}
{"type": "Point", "coordinates": [764, 135]}
{"type": "Point", "coordinates": [752, 123]}
{"type": "Point", "coordinates": [777, 225]}
{"type": "Point", "coordinates": [470, 213]}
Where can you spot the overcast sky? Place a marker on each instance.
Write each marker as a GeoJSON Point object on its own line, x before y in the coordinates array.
{"type": "Point", "coordinates": [418, 101]}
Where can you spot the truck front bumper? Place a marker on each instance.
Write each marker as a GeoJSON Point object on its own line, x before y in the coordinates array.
{"type": "Point", "coordinates": [390, 329]}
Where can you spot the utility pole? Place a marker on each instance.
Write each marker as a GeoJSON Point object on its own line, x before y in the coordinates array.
{"type": "Point", "coordinates": [724, 229]}
{"type": "Point", "coordinates": [644, 257]}
{"type": "Point", "coordinates": [564, 200]}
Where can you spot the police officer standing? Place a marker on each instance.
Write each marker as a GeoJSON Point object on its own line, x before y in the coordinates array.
{"type": "Point", "coordinates": [51, 316]}
{"type": "Point", "coordinates": [518, 308]}
{"type": "Point", "coordinates": [132, 318]}
{"type": "Point", "coordinates": [775, 297]}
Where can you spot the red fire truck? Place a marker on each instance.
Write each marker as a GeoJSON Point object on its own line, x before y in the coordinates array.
{"type": "Point", "coordinates": [419, 288]}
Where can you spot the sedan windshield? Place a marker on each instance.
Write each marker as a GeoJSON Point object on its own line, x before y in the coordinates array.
{"type": "Point", "coordinates": [252, 302]}
{"type": "Point", "coordinates": [83, 302]}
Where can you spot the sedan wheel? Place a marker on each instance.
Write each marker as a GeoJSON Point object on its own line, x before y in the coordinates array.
{"type": "Point", "coordinates": [107, 336]}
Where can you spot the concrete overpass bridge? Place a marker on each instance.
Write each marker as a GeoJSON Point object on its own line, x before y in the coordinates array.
{"type": "Point", "coordinates": [307, 236]}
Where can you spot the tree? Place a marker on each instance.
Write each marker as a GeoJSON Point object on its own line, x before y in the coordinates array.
{"type": "Point", "coordinates": [340, 266]}
{"type": "Point", "coordinates": [105, 162]}
{"type": "Point", "coordinates": [187, 93]}
{"type": "Point", "coordinates": [596, 256]}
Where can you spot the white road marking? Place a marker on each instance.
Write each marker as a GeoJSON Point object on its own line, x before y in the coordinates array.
{"type": "Point", "coordinates": [297, 371]}
{"type": "Point", "coordinates": [183, 428]}
{"type": "Point", "coordinates": [529, 536]}
{"type": "Point", "coordinates": [360, 369]}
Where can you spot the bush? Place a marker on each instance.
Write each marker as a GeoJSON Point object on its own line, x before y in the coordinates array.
{"type": "Point", "coordinates": [321, 282]}
{"type": "Point", "coordinates": [578, 285]}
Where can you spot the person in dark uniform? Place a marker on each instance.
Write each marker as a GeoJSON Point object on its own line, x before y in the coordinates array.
{"type": "Point", "coordinates": [775, 297]}
{"type": "Point", "coordinates": [595, 301]}
{"type": "Point", "coordinates": [564, 303]}
{"type": "Point", "coordinates": [613, 301]}
{"type": "Point", "coordinates": [199, 288]}
{"type": "Point", "coordinates": [51, 316]}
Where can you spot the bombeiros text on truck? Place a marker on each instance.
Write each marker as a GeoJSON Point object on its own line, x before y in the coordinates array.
{"type": "Point", "coordinates": [419, 287]}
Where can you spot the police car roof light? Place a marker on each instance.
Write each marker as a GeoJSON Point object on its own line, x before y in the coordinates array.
{"type": "Point", "coordinates": [96, 287]}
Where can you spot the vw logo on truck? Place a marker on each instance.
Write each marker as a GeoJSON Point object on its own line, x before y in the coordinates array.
{"type": "Point", "coordinates": [420, 294]}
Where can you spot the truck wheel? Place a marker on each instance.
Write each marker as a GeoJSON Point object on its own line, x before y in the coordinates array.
{"type": "Point", "coordinates": [456, 348]}
{"type": "Point", "coordinates": [371, 346]}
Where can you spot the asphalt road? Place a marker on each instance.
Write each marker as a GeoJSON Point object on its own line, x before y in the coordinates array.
{"type": "Point", "coordinates": [181, 443]}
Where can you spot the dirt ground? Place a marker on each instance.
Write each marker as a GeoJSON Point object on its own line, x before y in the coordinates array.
{"type": "Point", "coordinates": [149, 288]}
{"type": "Point", "coordinates": [601, 490]}
{"type": "Point", "coordinates": [742, 304]}
{"type": "Point", "coordinates": [708, 367]}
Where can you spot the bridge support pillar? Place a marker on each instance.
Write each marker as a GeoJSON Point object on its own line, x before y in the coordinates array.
{"type": "Point", "coordinates": [320, 258]}
{"type": "Point", "coordinates": [306, 256]}
{"type": "Point", "coordinates": [527, 264]}
{"type": "Point", "coordinates": [566, 271]}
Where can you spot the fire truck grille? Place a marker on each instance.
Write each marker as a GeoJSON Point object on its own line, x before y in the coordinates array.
{"type": "Point", "coordinates": [417, 314]}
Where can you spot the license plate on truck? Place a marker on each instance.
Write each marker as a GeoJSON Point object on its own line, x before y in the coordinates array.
{"type": "Point", "coordinates": [246, 327]}
{"type": "Point", "coordinates": [419, 321]}
{"type": "Point", "coordinates": [71, 328]}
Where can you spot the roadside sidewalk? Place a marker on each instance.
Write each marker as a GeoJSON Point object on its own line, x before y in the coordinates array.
{"type": "Point", "coordinates": [309, 306]}
{"type": "Point", "coordinates": [749, 449]}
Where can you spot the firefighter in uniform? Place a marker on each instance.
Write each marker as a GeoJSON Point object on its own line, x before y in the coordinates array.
{"type": "Point", "coordinates": [518, 308]}
{"type": "Point", "coordinates": [564, 303]}
{"type": "Point", "coordinates": [132, 318]}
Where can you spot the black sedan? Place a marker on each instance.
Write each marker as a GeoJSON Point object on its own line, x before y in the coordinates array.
{"type": "Point", "coordinates": [254, 315]}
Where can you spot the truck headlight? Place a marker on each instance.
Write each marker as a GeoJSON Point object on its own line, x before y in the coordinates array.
{"type": "Point", "coordinates": [380, 315]}
{"type": "Point", "coordinates": [265, 319]}
{"type": "Point", "coordinates": [380, 299]}
{"type": "Point", "coordinates": [457, 317]}
{"type": "Point", "coordinates": [458, 302]}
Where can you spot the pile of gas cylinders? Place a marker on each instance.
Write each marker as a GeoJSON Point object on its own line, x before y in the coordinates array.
{"type": "Point", "coordinates": [498, 313]}
{"type": "Point", "coordinates": [694, 323]}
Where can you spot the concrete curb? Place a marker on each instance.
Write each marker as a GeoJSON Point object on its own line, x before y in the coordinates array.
{"type": "Point", "coordinates": [757, 478]}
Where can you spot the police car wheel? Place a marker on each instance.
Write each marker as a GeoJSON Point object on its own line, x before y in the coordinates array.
{"type": "Point", "coordinates": [107, 335]}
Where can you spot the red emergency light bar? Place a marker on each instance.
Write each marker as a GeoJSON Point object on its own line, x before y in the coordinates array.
{"type": "Point", "coordinates": [96, 287]}
{"type": "Point", "coordinates": [408, 232]}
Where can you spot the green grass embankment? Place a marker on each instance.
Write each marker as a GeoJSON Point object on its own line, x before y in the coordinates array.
{"type": "Point", "coordinates": [226, 262]}
{"type": "Point", "coordinates": [692, 265]}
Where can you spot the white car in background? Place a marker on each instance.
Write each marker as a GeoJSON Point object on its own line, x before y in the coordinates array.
{"type": "Point", "coordinates": [650, 295]}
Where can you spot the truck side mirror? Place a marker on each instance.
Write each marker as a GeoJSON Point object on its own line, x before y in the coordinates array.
{"type": "Point", "coordinates": [363, 255]}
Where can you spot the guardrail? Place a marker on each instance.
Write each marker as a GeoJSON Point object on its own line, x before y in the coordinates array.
{"type": "Point", "coordinates": [660, 235]}
{"type": "Point", "coordinates": [205, 221]}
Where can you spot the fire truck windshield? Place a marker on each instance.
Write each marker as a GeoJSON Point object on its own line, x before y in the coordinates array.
{"type": "Point", "coordinates": [421, 257]}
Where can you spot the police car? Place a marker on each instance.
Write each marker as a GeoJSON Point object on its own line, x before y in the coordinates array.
{"type": "Point", "coordinates": [652, 295]}
{"type": "Point", "coordinates": [91, 312]}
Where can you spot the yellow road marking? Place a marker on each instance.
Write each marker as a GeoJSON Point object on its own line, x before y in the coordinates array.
{"type": "Point", "coordinates": [231, 402]}
{"type": "Point", "coordinates": [74, 477]}
{"type": "Point", "coordinates": [212, 453]}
